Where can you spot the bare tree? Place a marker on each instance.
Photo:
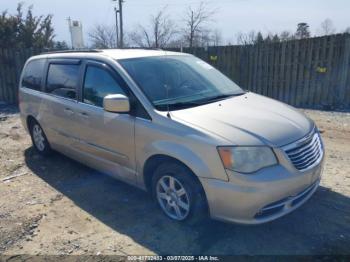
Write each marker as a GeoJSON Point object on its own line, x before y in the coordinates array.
{"type": "Point", "coordinates": [195, 20]}
{"type": "Point", "coordinates": [103, 36]}
{"type": "Point", "coordinates": [204, 38]}
{"type": "Point", "coordinates": [216, 37]}
{"type": "Point", "coordinates": [159, 34]}
{"type": "Point", "coordinates": [327, 27]}
{"type": "Point", "coordinates": [286, 36]}
{"type": "Point", "coordinates": [246, 38]}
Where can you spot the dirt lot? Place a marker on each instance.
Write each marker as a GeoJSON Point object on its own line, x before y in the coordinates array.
{"type": "Point", "coordinates": [57, 206]}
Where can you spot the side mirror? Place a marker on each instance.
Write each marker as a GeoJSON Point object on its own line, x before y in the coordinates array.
{"type": "Point", "coordinates": [116, 103]}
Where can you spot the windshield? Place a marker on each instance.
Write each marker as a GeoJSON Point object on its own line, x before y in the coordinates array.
{"type": "Point", "coordinates": [177, 82]}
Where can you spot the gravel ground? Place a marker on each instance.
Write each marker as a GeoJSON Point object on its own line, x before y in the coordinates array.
{"type": "Point", "coordinates": [57, 206]}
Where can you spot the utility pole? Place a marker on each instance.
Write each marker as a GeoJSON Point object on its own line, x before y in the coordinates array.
{"type": "Point", "coordinates": [116, 26]}
{"type": "Point", "coordinates": [70, 30]}
{"type": "Point", "coordinates": [121, 23]}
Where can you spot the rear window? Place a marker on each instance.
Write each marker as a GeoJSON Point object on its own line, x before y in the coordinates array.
{"type": "Point", "coordinates": [32, 75]}
{"type": "Point", "coordinates": [62, 80]}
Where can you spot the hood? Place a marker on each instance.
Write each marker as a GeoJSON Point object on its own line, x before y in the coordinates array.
{"type": "Point", "coordinates": [248, 119]}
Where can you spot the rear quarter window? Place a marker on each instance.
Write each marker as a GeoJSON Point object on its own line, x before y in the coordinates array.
{"type": "Point", "coordinates": [62, 80]}
{"type": "Point", "coordinates": [33, 74]}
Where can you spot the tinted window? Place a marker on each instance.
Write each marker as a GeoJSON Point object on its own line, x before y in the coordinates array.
{"type": "Point", "coordinates": [32, 75]}
{"type": "Point", "coordinates": [99, 83]}
{"type": "Point", "coordinates": [62, 80]}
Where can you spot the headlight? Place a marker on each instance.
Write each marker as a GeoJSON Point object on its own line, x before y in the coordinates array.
{"type": "Point", "coordinates": [247, 159]}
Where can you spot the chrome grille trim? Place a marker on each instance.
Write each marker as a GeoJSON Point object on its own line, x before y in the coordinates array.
{"type": "Point", "coordinates": [304, 148]}
{"type": "Point", "coordinates": [306, 152]}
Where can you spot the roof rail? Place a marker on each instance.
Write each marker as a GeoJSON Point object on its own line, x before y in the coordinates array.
{"type": "Point", "coordinates": [96, 50]}
{"type": "Point", "coordinates": [72, 51]}
{"type": "Point", "coordinates": [146, 48]}
{"type": "Point", "coordinates": [131, 48]}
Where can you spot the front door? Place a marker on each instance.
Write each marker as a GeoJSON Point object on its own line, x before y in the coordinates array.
{"type": "Point", "coordinates": [107, 138]}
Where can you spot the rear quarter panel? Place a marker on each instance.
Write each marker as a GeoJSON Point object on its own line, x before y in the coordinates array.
{"type": "Point", "coordinates": [29, 100]}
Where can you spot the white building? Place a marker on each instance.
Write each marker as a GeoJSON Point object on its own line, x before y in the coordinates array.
{"type": "Point", "coordinates": [76, 34]}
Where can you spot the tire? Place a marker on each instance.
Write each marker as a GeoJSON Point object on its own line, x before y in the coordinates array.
{"type": "Point", "coordinates": [39, 140]}
{"type": "Point", "coordinates": [188, 193]}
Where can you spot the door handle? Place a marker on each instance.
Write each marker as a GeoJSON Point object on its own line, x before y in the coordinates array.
{"type": "Point", "coordinates": [83, 114]}
{"type": "Point", "coordinates": [68, 111]}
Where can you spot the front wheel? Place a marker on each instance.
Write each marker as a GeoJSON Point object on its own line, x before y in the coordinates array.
{"type": "Point", "coordinates": [178, 193]}
{"type": "Point", "coordinates": [173, 197]}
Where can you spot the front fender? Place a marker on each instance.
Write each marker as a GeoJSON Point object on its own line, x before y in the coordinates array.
{"type": "Point", "coordinates": [184, 154]}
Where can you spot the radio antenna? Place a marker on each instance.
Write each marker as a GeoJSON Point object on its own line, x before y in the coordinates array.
{"type": "Point", "coordinates": [167, 94]}
{"type": "Point", "coordinates": [167, 98]}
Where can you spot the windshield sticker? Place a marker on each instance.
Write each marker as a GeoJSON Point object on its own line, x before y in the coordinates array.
{"type": "Point", "coordinates": [204, 65]}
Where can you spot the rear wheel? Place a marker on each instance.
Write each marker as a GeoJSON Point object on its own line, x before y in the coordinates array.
{"type": "Point", "coordinates": [178, 194]}
{"type": "Point", "coordinates": [40, 142]}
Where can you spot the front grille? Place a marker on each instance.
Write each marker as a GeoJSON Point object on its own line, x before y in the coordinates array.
{"type": "Point", "coordinates": [306, 153]}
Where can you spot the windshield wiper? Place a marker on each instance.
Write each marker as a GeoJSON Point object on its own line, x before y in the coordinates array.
{"type": "Point", "coordinates": [182, 105]}
{"type": "Point", "coordinates": [218, 97]}
{"type": "Point", "coordinates": [178, 105]}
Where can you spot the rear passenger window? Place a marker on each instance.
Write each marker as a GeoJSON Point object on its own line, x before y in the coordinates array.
{"type": "Point", "coordinates": [99, 83]}
{"type": "Point", "coordinates": [62, 80]}
{"type": "Point", "coordinates": [33, 73]}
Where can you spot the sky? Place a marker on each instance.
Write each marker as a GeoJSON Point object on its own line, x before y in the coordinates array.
{"type": "Point", "coordinates": [231, 17]}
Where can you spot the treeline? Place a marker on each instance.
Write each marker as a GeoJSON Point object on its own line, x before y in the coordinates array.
{"type": "Point", "coordinates": [196, 28]}
{"type": "Point", "coordinates": [25, 30]}
{"type": "Point", "coordinates": [161, 31]}
{"type": "Point", "coordinates": [302, 32]}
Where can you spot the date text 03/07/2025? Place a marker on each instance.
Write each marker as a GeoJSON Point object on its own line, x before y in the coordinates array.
{"type": "Point", "coordinates": [173, 258]}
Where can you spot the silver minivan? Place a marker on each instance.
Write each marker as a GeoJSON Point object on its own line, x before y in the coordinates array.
{"type": "Point", "coordinates": [173, 125]}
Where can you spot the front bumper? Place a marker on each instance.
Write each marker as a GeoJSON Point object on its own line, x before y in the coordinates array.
{"type": "Point", "coordinates": [267, 195]}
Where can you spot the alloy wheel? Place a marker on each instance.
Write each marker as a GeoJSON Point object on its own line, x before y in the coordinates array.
{"type": "Point", "coordinates": [38, 137]}
{"type": "Point", "coordinates": [173, 197]}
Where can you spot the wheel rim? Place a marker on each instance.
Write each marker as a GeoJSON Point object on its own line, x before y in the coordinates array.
{"type": "Point", "coordinates": [38, 137]}
{"type": "Point", "coordinates": [173, 197]}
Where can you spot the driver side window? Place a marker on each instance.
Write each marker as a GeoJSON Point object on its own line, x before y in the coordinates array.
{"type": "Point", "coordinates": [99, 83]}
